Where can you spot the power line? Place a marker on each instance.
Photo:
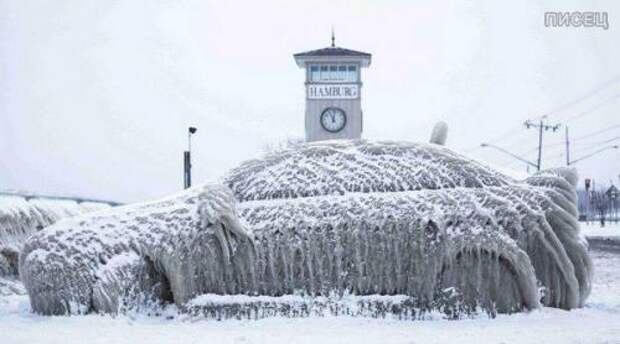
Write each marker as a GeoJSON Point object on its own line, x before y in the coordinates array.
{"type": "Point", "coordinates": [599, 150]}
{"type": "Point", "coordinates": [574, 147]}
{"type": "Point", "coordinates": [591, 154]}
{"type": "Point", "coordinates": [498, 138]}
{"type": "Point", "coordinates": [589, 145]}
{"type": "Point", "coordinates": [604, 130]}
{"type": "Point", "coordinates": [580, 145]}
{"type": "Point", "coordinates": [605, 141]}
{"type": "Point", "coordinates": [522, 142]}
{"type": "Point", "coordinates": [515, 130]}
{"type": "Point", "coordinates": [594, 108]}
{"type": "Point", "coordinates": [581, 98]}
{"type": "Point", "coordinates": [541, 126]}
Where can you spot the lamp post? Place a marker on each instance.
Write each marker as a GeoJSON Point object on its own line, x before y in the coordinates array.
{"type": "Point", "coordinates": [187, 162]}
{"type": "Point", "coordinates": [529, 163]}
{"type": "Point", "coordinates": [568, 163]}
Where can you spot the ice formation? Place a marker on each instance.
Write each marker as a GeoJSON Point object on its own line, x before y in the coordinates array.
{"type": "Point", "coordinates": [19, 218]}
{"type": "Point", "coordinates": [395, 220]}
{"type": "Point", "coordinates": [439, 134]}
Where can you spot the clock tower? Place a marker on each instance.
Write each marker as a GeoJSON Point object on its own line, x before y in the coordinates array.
{"type": "Point", "coordinates": [333, 92]}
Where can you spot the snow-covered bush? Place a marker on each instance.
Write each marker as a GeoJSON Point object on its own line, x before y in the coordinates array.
{"type": "Point", "coordinates": [334, 218]}
{"type": "Point", "coordinates": [19, 218]}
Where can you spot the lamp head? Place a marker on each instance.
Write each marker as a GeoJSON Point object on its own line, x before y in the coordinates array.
{"type": "Point", "coordinates": [192, 130]}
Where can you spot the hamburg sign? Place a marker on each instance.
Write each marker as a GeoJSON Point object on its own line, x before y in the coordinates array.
{"type": "Point", "coordinates": [342, 91]}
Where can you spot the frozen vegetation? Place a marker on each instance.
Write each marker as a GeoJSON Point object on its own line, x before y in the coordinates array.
{"type": "Point", "coordinates": [351, 227]}
{"type": "Point", "coordinates": [20, 218]}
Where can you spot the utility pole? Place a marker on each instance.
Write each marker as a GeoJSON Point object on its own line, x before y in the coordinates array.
{"type": "Point", "coordinates": [569, 162]}
{"type": "Point", "coordinates": [541, 125]}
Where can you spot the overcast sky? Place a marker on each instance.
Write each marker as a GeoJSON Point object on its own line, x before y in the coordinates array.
{"type": "Point", "coordinates": [96, 96]}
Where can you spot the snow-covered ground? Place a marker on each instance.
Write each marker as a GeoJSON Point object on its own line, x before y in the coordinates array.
{"type": "Point", "coordinates": [598, 322]}
{"type": "Point", "coordinates": [594, 229]}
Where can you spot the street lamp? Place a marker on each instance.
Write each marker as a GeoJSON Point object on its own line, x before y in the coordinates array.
{"type": "Point", "coordinates": [187, 161]}
{"type": "Point", "coordinates": [511, 154]}
{"type": "Point", "coordinates": [591, 154]}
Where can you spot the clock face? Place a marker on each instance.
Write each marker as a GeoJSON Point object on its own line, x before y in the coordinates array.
{"type": "Point", "coordinates": [333, 119]}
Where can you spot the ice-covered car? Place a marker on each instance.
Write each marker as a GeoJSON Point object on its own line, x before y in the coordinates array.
{"type": "Point", "coordinates": [415, 226]}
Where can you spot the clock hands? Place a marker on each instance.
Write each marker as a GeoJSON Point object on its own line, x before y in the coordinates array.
{"type": "Point", "coordinates": [333, 116]}
{"type": "Point", "coordinates": [333, 120]}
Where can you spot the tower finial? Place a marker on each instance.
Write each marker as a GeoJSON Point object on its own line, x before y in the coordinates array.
{"type": "Point", "coordinates": [333, 37]}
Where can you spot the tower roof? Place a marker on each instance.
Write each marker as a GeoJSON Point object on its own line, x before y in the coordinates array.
{"type": "Point", "coordinates": [332, 53]}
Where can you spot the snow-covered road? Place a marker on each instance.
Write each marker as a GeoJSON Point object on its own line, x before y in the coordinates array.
{"type": "Point", "coordinates": [594, 229]}
{"type": "Point", "coordinates": [598, 322]}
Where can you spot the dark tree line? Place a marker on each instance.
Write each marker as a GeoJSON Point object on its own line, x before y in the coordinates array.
{"type": "Point", "coordinates": [598, 205]}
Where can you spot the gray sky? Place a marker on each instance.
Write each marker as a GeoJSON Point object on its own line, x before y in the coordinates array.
{"type": "Point", "coordinates": [95, 96]}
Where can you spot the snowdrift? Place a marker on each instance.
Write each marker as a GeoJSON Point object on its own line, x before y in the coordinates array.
{"type": "Point", "coordinates": [398, 227]}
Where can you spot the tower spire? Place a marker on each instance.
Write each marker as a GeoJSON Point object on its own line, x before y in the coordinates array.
{"type": "Point", "coordinates": [333, 38]}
